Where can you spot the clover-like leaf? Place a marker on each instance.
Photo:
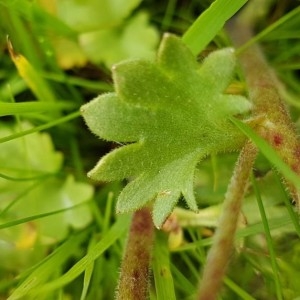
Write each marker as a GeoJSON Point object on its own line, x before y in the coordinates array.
{"type": "Point", "coordinates": [89, 15]}
{"type": "Point", "coordinates": [100, 31]}
{"type": "Point", "coordinates": [171, 113]}
{"type": "Point", "coordinates": [35, 158]}
{"type": "Point", "coordinates": [135, 39]}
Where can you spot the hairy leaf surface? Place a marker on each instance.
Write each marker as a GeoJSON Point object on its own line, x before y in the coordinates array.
{"type": "Point", "coordinates": [170, 114]}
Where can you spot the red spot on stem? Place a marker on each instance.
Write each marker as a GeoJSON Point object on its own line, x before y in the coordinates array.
{"type": "Point", "coordinates": [277, 139]}
{"type": "Point", "coordinates": [295, 168]}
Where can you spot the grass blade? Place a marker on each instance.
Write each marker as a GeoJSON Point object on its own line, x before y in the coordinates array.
{"type": "Point", "coordinates": [209, 23]}
{"type": "Point", "coordinates": [46, 268]}
{"type": "Point", "coordinates": [7, 109]}
{"type": "Point", "coordinates": [115, 232]}
{"type": "Point", "coordinates": [88, 272]}
{"type": "Point", "coordinates": [161, 269]}
{"type": "Point", "coordinates": [39, 216]}
{"type": "Point", "coordinates": [237, 289]}
{"type": "Point", "coordinates": [274, 264]}
{"type": "Point", "coordinates": [41, 127]}
{"type": "Point", "coordinates": [269, 29]}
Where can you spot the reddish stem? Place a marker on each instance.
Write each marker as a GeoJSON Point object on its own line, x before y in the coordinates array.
{"type": "Point", "coordinates": [134, 277]}
{"type": "Point", "coordinates": [275, 124]}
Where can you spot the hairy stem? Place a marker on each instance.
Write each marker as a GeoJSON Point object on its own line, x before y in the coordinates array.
{"type": "Point", "coordinates": [275, 124]}
{"type": "Point", "coordinates": [221, 249]}
{"type": "Point", "coordinates": [134, 277]}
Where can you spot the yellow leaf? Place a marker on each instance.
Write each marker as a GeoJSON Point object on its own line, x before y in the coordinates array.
{"type": "Point", "coordinates": [31, 76]}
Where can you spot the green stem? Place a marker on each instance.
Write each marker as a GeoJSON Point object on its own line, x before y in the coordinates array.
{"type": "Point", "coordinates": [221, 250]}
{"type": "Point", "coordinates": [134, 277]}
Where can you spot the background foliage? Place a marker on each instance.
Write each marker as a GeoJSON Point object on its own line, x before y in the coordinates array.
{"type": "Point", "coordinates": [59, 235]}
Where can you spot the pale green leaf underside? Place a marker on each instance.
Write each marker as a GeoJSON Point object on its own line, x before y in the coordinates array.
{"type": "Point", "coordinates": [172, 112]}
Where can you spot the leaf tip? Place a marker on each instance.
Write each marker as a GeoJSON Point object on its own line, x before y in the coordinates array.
{"type": "Point", "coordinates": [114, 67]}
{"type": "Point", "coordinates": [168, 35]}
{"type": "Point", "coordinates": [82, 109]}
{"type": "Point", "coordinates": [10, 48]}
{"type": "Point", "coordinates": [89, 175]}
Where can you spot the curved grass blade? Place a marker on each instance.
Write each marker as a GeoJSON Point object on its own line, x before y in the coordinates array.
{"type": "Point", "coordinates": [41, 127]}
{"type": "Point", "coordinates": [269, 29]}
{"type": "Point", "coordinates": [88, 272]}
{"type": "Point", "coordinates": [237, 289]}
{"type": "Point", "coordinates": [39, 216]}
{"type": "Point", "coordinates": [7, 109]}
{"type": "Point", "coordinates": [42, 272]}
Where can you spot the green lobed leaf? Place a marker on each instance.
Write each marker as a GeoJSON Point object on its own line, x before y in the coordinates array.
{"type": "Point", "coordinates": [172, 112]}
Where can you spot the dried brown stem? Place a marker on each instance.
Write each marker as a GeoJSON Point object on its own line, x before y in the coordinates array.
{"type": "Point", "coordinates": [221, 250]}
{"type": "Point", "coordinates": [134, 277]}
